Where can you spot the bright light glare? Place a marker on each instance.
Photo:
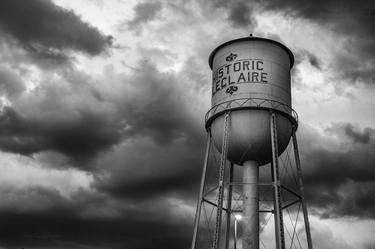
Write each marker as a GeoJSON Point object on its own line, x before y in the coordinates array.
{"type": "Point", "coordinates": [238, 217]}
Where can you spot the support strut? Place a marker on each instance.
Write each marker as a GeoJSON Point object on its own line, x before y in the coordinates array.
{"type": "Point", "coordinates": [302, 194]}
{"type": "Point", "coordinates": [223, 160]}
{"type": "Point", "coordinates": [278, 213]}
{"type": "Point", "coordinates": [200, 198]}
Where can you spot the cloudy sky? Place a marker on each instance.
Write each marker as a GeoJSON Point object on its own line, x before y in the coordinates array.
{"type": "Point", "coordinates": [102, 116]}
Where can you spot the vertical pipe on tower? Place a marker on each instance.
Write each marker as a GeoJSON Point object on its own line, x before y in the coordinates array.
{"type": "Point", "coordinates": [250, 219]}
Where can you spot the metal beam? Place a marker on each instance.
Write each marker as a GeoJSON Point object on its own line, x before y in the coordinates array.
{"type": "Point", "coordinates": [224, 151]}
{"type": "Point", "coordinates": [260, 211]}
{"type": "Point", "coordinates": [291, 204]}
{"type": "Point", "coordinates": [279, 226]}
{"type": "Point", "coordinates": [301, 187]}
{"type": "Point", "coordinates": [291, 191]}
{"type": "Point", "coordinates": [200, 198]}
{"type": "Point", "coordinates": [213, 204]}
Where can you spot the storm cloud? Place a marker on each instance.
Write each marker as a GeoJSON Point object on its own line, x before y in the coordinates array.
{"type": "Point", "coordinates": [46, 30]}
{"type": "Point", "coordinates": [352, 21]}
{"type": "Point", "coordinates": [241, 14]}
{"type": "Point", "coordinates": [144, 12]}
{"type": "Point", "coordinates": [79, 137]}
{"type": "Point", "coordinates": [61, 222]}
{"type": "Point", "coordinates": [340, 176]}
{"type": "Point", "coordinates": [145, 104]}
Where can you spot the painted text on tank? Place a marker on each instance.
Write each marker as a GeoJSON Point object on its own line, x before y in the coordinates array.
{"type": "Point", "coordinates": [238, 72]}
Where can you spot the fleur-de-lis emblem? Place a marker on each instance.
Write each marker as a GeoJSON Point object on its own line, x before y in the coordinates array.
{"type": "Point", "coordinates": [231, 89]}
{"type": "Point", "coordinates": [231, 57]}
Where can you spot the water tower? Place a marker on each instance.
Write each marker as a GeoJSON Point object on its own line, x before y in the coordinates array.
{"type": "Point", "coordinates": [250, 125]}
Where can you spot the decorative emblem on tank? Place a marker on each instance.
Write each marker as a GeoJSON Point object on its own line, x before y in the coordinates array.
{"type": "Point", "coordinates": [231, 89]}
{"type": "Point", "coordinates": [231, 57]}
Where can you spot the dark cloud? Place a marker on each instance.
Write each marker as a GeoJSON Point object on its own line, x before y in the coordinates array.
{"type": "Point", "coordinates": [144, 12]}
{"type": "Point", "coordinates": [47, 30]}
{"type": "Point", "coordinates": [145, 170]}
{"type": "Point", "coordinates": [352, 21]}
{"type": "Point", "coordinates": [303, 55]}
{"type": "Point", "coordinates": [64, 223]}
{"type": "Point", "coordinates": [73, 117]}
{"type": "Point", "coordinates": [65, 231]}
{"type": "Point", "coordinates": [47, 57]}
{"type": "Point", "coordinates": [63, 115]}
{"type": "Point", "coordinates": [313, 60]}
{"type": "Point", "coordinates": [355, 65]}
{"type": "Point", "coordinates": [353, 132]}
{"type": "Point", "coordinates": [340, 178]}
{"type": "Point", "coordinates": [156, 141]}
{"type": "Point", "coordinates": [165, 140]}
{"type": "Point", "coordinates": [240, 14]}
{"type": "Point", "coordinates": [331, 11]}
{"type": "Point", "coordinates": [157, 105]}
{"type": "Point", "coordinates": [80, 137]}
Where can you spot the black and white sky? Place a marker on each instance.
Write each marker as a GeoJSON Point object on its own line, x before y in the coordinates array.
{"type": "Point", "coordinates": [102, 108]}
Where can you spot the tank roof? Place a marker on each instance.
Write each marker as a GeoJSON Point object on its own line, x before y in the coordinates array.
{"type": "Point", "coordinates": [251, 38]}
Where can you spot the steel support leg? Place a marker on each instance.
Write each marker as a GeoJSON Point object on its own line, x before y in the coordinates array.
{"type": "Point", "coordinates": [201, 190]}
{"type": "Point", "coordinates": [229, 206]}
{"type": "Point", "coordinates": [300, 183]}
{"type": "Point", "coordinates": [278, 214]}
{"type": "Point", "coordinates": [224, 150]}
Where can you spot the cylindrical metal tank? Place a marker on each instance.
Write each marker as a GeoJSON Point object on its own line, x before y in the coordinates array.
{"type": "Point", "coordinates": [250, 77]}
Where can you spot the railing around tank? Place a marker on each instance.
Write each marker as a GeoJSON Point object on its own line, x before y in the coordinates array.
{"type": "Point", "coordinates": [251, 103]}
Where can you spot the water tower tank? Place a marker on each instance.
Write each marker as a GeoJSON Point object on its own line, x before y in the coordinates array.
{"type": "Point", "coordinates": [250, 77]}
